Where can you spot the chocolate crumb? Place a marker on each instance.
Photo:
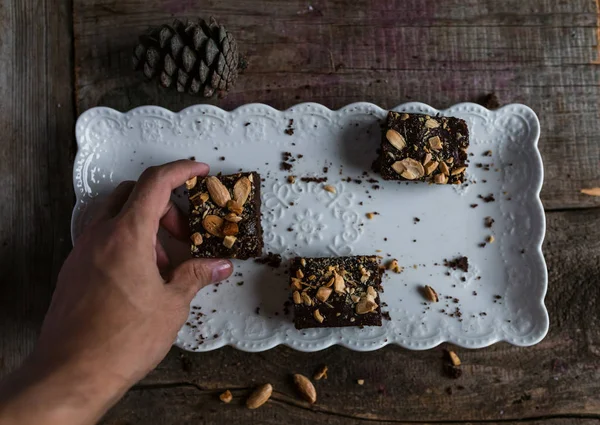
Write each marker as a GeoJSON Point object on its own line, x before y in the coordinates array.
{"type": "Point", "coordinates": [489, 101]}
{"type": "Point", "coordinates": [221, 158]}
{"type": "Point", "coordinates": [487, 153]}
{"type": "Point", "coordinates": [416, 220]}
{"type": "Point", "coordinates": [486, 199]}
{"type": "Point", "coordinates": [475, 293]}
{"type": "Point", "coordinates": [474, 205]}
{"type": "Point", "coordinates": [314, 179]}
{"type": "Point", "coordinates": [246, 124]}
{"type": "Point", "coordinates": [325, 169]}
{"type": "Point", "coordinates": [257, 310]}
{"type": "Point", "coordinates": [451, 371]}
{"type": "Point", "coordinates": [192, 158]}
{"type": "Point", "coordinates": [461, 263]}
{"type": "Point", "coordinates": [481, 245]}
{"type": "Point", "coordinates": [284, 166]}
{"type": "Point", "coordinates": [488, 222]}
{"type": "Point", "coordinates": [272, 260]}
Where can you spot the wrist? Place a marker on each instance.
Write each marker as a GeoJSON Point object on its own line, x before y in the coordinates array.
{"type": "Point", "coordinates": [58, 392]}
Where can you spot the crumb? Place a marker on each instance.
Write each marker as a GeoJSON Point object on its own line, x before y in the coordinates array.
{"type": "Point", "coordinates": [486, 199]}
{"type": "Point", "coordinates": [272, 260]}
{"type": "Point", "coordinates": [360, 381]}
{"type": "Point", "coordinates": [487, 153]}
{"type": "Point", "coordinates": [481, 245]}
{"type": "Point", "coordinates": [325, 170]}
{"type": "Point", "coordinates": [291, 179]}
{"type": "Point", "coordinates": [285, 166]}
{"type": "Point", "coordinates": [488, 222]}
{"type": "Point", "coordinates": [314, 179]}
{"type": "Point", "coordinates": [416, 220]}
{"type": "Point", "coordinates": [221, 158]}
{"type": "Point", "coordinates": [192, 158]}
{"type": "Point", "coordinates": [473, 205]}
{"type": "Point", "coordinates": [461, 263]}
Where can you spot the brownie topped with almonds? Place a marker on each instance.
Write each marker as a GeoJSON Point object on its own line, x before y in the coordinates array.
{"type": "Point", "coordinates": [225, 220]}
{"type": "Point", "coordinates": [423, 148]}
{"type": "Point", "coordinates": [336, 291]}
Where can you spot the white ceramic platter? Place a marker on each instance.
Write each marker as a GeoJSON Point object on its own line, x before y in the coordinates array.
{"type": "Point", "coordinates": [508, 276]}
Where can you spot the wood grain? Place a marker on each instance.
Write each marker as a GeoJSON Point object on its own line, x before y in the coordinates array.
{"type": "Point", "coordinates": [537, 52]}
{"type": "Point", "coordinates": [558, 378]}
{"type": "Point", "coordinates": [36, 118]}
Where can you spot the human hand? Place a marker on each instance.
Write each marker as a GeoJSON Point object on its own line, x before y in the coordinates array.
{"type": "Point", "coordinates": [113, 316]}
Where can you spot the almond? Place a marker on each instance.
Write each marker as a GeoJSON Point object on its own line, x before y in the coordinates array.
{"type": "Point", "coordinates": [430, 294]}
{"type": "Point", "coordinates": [444, 168]}
{"type": "Point", "coordinates": [299, 273]}
{"type": "Point", "coordinates": [323, 293]}
{"type": "Point", "coordinates": [235, 207]}
{"type": "Point", "coordinates": [306, 299]}
{"type": "Point", "coordinates": [395, 139]}
{"type": "Point", "coordinates": [226, 397]}
{"type": "Point", "coordinates": [228, 241]}
{"type": "Point", "coordinates": [329, 188]}
{"type": "Point", "coordinates": [318, 316]}
{"type": "Point", "coordinates": [241, 190]}
{"type": "Point", "coordinates": [431, 123]}
{"type": "Point", "coordinates": [296, 297]}
{"type": "Point", "coordinates": [454, 358]}
{"type": "Point", "coordinates": [296, 283]}
{"type": "Point", "coordinates": [305, 388]}
{"type": "Point", "coordinates": [213, 225]}
{"type": "Point", "coordinates": [593, 191]}
{"type": "Point", "coordinates": [430, 167]}
{"type": "Point", "coordinates": [196, 239]}
{"type": "Point", "coordinates": [218, 192]}
{"type": "Point", "coordinates": [458, 170]}
{"type": "Point", "coordinates": [230, 228]}
{"type": "Point", "coordinates": [203, 197]}
{"type": "Point", "coordinates": [435, 143]}
{"type": "Point", "coordinates": [427, 159]}
{"type": "Point", "coordinates": [371, 292]}
{"type": "Point", "coordinates": [366, 305]}
{"type": "Point", "coordinates": [338, 284]}
{"type": "Point", "coordinates": [440, 178]}
{"type": "Point", "coordinates": [232, 217]}
{"type": "Point", "coordinates": [411, 168]}
{"type": "Point", "coordinates": [404, 117]}
{"type": "Point", "coordinates": [259, 396]}
{"type": "Point", "coordinates": [191, 183]}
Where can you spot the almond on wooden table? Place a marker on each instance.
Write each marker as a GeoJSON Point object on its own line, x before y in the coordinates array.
{"type": "Point", "coordinates": [226, 396]}
{"type": "Point", "coordinates": [305, 388]}
{"type": "Point", "coordinates": [259, 396]}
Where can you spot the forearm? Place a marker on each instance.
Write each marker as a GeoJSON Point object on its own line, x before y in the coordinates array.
{"type": "Point", "coordinates": [61, 394]}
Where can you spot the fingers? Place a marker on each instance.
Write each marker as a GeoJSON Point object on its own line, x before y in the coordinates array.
{"type": "Point", "coordinates": [151, 195]}
{"type": "Point", "coordinates": [193, 275]}
{"type": "Point", "coordinates": [115, 201]}
{"type": "Point", "coordinates": [175, 222]}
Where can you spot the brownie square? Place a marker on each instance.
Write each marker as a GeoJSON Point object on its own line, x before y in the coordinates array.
{"type": "Point", "coordinates": [420, 147]}
{"type": "Point", "coordinates": [336, 291]}
{"type": "Point", "coordinates": [225, 220]}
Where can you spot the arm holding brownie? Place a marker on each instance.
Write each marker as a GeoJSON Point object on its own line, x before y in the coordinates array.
{"type": "Point", "coordinates": [113, 316]}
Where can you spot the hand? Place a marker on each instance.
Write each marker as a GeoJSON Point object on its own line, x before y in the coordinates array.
{"type": "Point", "coordinates": [113, 316]}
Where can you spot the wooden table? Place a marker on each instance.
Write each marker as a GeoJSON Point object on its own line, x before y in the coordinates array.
{"type": "Point", "coordinates": [60, 58]}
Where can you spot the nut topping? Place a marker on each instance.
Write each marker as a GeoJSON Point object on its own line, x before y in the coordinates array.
{"type": "Point", "coordinates": [213, 225]}
{"type": "Point", "coordinates": [232, 217]}
{"type": "Point", "coordinates": [241, 190]}
{"type": "Point", "coordinates": [431, 123]}
{"type": "Point", "coordinates": [444, 168]}
{"type": "Point", "coordinates": [366, 305]}
{"type": "Point", "coordinates": [218, 192]}
{"type": "Point", "coordinates": [296, 283]}
{"type": "Point", "coordinates": [306, 299]}
{"type": "Point", "coordinates": [338, 284]}
{"type": "Point", "coordinates": [404, 117]}
{"type": "Point", "coordinates": [229, 241]}
{"type": "Point", "coordinates": [458, 170]}
{"type": "Point", "coordinates": [230, 228]}
{"type": "Point", "coordinates": [191, 183]}
{"type": "Point", "coordinates": [196, 239]}
{"type": "Point", "coordinates": [409, 168]}
{"type": "Point", "coordinates": [296, 297]}
{"type": "Point", "coordinates": [318, 316]}
{"type": "Point", "coordinates": [234, 207]}
{"type": "Point", "coordinates": [427, 159]}
{"type": "Point", "coordinates": [299, 274]}
{"type": "Point", "coordinates": [323, 293]}
{"type": "Point", "coordinates": [435, 143]}
{"type": "Point", "coordinates": [395, 139]}
{"type": "Point", "coordinates": [430, 167]}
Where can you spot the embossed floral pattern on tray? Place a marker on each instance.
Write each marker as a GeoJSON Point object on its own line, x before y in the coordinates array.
{"type": "Point", "coordinates": [500, 297]}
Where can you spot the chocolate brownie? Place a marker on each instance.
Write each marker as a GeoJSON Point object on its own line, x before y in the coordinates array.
{"type": "Point", "coordinates": [336, 291]}
{"type": "Point", "coordinates": [423, 148]}
{"type": "Point", "coordinates": [225, 216]}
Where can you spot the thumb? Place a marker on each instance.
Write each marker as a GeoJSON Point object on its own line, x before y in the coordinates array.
{"type": "Point", "coordinates": [193, 275]}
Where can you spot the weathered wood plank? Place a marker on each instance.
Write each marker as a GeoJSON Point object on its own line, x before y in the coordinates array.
{"type": "Point", "coordinates": [558, 377]}
{"type": "Point", "coordinates": [537, 52]}
{"type": "Point", "coordinates": [36, 118]}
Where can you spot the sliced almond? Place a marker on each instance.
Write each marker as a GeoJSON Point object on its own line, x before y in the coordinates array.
{"type": "Point", "coordinates": [430, 294]}
{"type": "Point", "coordinates": [296, 297]}
{"type": "Point", "coordinates": [213, 225]}
{"type": "Point", "coordinates": [226, 397]}
{"type": "Point", "coordinates": [218, 192]}
{"type": "Point", "coordinates": [234, 206]}
{"type": "Point", "coordinates": [230, 228]}
{"type": "Point", "coordinates": [306, 299]}
{"type": "Point", "coordinates": [366, 305]}
{"type": "Point", "coordinates": [404, 117]}
{"type": "Point", "coordinates": [593, 191]}
{"type": "Point", "coordinates": [228, 241]}
{"type": "Point", "coordinates": [371, 292]}
{"type": "Point", "coordinates": [232, 217]}
{"type": "Point", "coordinates": [196, 239]}
{"type": "Point", "coordinates": [296, 283]}
{"type": "Point", "coordinates": [329, 188]}
{"type": "Point", "coordinates": [323, 293]}
{"type": "Point", "coordinates": [427, 159]}
{"type": "Point", "coordinates": [396, 139]}
{"type": "Point", "coordinates": [241, 190]}
{"type": "Point", "coordinates": [430, 167]}
{"type": "Point", "coordinates": [413, 169]}
{"type": "Point", "coordinates": [398, 167]}
{"type": "Point", "coordinates": [338, 284]}
{"type": "Point", "coordinates": [444, 168]}
{"type": "Point", "coordinates": [321, 373]}
{"type": "Point", "coordinates": [458, 170]}
{"type": "Point", "coordinates": [454, 358]}
{"type": "Point", "coordinates": [318, 316]}
{"type": "Point", "coordinates": [299, 274]}
{"type": "Point", "coordinates": [450, 160]}
{"type": "Point", "coordinates": [435, 143]}
{"type": "Point", "coordinates": [191, 183]}
{"type": "Point", "coordinates": [440, 178]}
{"type": "Point", "coordinates": [355, 298]}
{"type": "Point", "coordinates": [303, 262]}
{"type": "Point", "coordinates": [305, 387]}
{"type": "Point", "coordinates": [431, 123]}
{"type": "Point", "coordinates": [259, 396]}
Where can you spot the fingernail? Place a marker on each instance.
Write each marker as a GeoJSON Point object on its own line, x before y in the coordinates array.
{"type": "Point", "coordinates": [221, 269]}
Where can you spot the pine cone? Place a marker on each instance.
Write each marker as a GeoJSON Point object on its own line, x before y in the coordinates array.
{"type": "Point", "coordinates": [196, 57]}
